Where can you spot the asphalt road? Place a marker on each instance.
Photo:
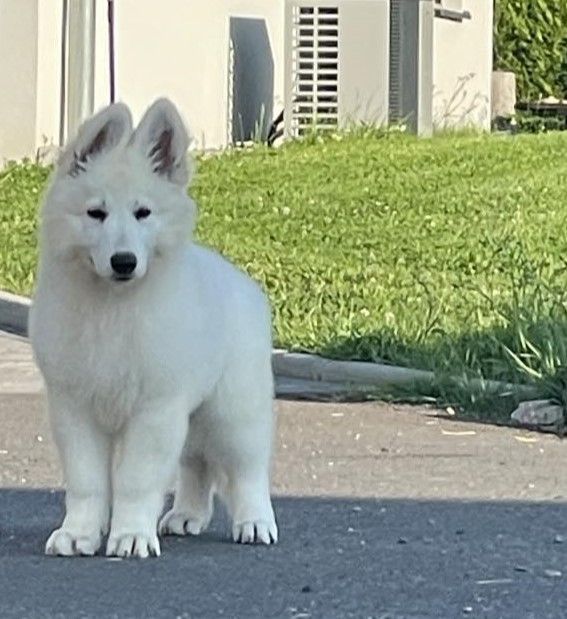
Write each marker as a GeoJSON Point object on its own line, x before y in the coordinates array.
{"type": "Point", "coordinates": [337, 558]}
{"type": "Point", "coordinates": [384, 512]}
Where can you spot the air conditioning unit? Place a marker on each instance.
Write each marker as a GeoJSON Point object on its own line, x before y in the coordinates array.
{"type": "Point", "coordinates": [357, 61]}
{"type": "Point", "coordinates": [337, 64]}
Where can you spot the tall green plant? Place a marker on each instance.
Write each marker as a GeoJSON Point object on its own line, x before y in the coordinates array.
{"type": "Point", "coordinates": [530, 38]}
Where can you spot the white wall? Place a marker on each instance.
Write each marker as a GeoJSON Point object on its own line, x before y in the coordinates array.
{"type": "Point", "coordinates": [18, 78]}
{"type": "Point", "coordinates": [48, 73]}
{"type": "Point", "coordinates": [462, 68]}
{"type": "Point", "coordinates": [179, 49]}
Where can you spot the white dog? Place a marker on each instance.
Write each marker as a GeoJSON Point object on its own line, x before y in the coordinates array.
{"type": "Point", "coordinates": [156, 352]}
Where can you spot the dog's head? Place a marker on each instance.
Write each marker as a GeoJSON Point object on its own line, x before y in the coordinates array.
{"type": "Point", "coordinates": [118, 199]}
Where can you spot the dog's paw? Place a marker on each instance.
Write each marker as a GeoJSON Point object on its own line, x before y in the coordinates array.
{"type": "Point", "coordinates": [182, 523]}
{"type": "Point", "coordinates": [66, 543]}
{"type": "Point", "coordinates": [255, 532]}
{"type": "Point", "coordinates": [133, 545]}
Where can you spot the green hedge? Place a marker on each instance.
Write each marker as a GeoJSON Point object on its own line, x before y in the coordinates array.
{"type": "Point", "coordinates": [530, 38]}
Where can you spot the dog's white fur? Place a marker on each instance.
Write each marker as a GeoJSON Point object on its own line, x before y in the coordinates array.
{"type": "Point", "coordinates": [169, 369]}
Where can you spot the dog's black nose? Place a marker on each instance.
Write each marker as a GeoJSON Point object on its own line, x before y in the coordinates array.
{"type": "Point", "coordinates": [123, 263]}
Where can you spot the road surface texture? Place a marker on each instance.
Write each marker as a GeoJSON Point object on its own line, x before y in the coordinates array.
{"type": "Point", "coordinates": [389, 512]}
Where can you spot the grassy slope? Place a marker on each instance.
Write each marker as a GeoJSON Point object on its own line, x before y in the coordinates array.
{"type": "Point", "coordinates": [393, 248]}
{"type": "Point", "coordinates": [435, 253]}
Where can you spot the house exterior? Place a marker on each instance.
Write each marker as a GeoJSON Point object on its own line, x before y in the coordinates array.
{"type": "Point", "coordinates": [223, 62]}
{"type": "Point", "coordinates": [462, 63]}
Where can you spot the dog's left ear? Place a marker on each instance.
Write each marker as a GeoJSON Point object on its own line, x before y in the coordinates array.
{"type": "Point", "coordinates": [162, 137]}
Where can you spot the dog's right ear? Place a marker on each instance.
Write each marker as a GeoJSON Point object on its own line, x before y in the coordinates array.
{"type": "Point", "coordinates": [97, 135]}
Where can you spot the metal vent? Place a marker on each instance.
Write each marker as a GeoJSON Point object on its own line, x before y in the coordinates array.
{"type": "Point", "coordinates": [315, 68]}
{"type": "Point", "coordinates": [395, 94]}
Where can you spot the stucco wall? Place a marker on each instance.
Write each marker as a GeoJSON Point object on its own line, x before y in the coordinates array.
{"type": "Point", "coordinates": [182, 51]}
{"type": "Point", "coordinates": [48, 108]}
{"type": "Point", "coordinates": [462, 68]}
{"type": "Point", "coordinates": [18, 78]}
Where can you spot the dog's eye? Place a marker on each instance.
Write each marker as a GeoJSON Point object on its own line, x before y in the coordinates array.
{"type": "Point", "coordinates": [142, 212]}
{"type": "Point", "coordinates": [97, 213]}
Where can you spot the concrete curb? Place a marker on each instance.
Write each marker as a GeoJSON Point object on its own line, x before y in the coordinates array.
{"type": "Point", "coordinates": [360, 377]}
{"type": "Point", "coordinates": [14, 311]}
{"type": "Point", "coordinates": [313, 367]}
{"type": "Point", "coordinates": [301, 375]}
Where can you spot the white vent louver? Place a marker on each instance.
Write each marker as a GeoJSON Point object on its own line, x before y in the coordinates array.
{"type": "Point", "coordinates": [336, 64]}
{"type": "Point", "coordinates": [315, 67]}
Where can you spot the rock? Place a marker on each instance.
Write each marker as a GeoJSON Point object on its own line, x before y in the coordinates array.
{"type": "Point", "coordinates": [538, 413]}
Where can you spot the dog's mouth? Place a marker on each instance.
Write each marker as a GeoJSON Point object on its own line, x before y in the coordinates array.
{"type": "Point", "coordinates": [122, 278]}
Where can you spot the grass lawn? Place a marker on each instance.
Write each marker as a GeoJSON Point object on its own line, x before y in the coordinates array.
{"type": "Point", "coordinates": [446, 254]}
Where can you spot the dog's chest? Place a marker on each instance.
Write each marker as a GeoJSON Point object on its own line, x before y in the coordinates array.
{"type": "Point", "coordinates": [115, 369]}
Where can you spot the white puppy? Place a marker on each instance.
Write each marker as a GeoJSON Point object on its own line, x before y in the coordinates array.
{"type": "Point", "coordinates": [156, 352]}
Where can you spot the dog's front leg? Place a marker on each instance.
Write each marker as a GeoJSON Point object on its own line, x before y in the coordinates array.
{"type": "Point", "coordinates": [147, 458]}
{"type": "Point", "coordinates": [85, 455]}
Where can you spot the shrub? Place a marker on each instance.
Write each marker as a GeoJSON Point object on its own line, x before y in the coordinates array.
{"type": "Point", "coordinates": [530, 39]}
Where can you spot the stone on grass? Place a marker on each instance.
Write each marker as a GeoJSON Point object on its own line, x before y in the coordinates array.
{"type": "Point", "coordinates": [538, 413]}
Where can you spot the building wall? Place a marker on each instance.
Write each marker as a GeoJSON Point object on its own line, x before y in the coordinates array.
{"type": "Point", "coordinates": [462, 68]}
{"type": "Point", "coordinates": [182, 52]}
{"type": "Point", "coordinates": [48, 105]}
{"type": "Point", "coordinates": [18, 78]}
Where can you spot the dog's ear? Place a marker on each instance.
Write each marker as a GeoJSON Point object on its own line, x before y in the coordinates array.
{"type": "Point", "coordinates": [162, 138]}
{"type": "Point", "coordinates": [99, 134]}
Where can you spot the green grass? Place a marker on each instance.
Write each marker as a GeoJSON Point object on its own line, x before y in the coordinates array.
{"type": "Point", "coordinates": [20, 190]}
{"type": "Point", "coordinates": [447, 254]}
